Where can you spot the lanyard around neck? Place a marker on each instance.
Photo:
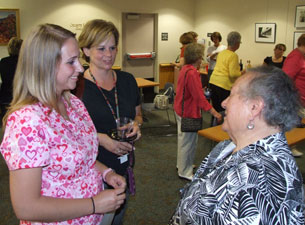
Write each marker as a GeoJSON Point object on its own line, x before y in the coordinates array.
{"type": "Point", "coordinates": [106, 99]}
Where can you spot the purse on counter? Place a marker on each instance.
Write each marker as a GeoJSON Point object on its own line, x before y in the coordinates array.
{"type": "Point", "coordinates": [189, 124]}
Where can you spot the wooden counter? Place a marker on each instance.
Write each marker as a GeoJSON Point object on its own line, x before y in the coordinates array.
{"type": "Point", "coordinates": [293, 136]}
{"type": "Point", "coordinates": [166, 74]}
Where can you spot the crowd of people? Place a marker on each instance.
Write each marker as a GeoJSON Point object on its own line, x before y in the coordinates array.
{"type": "Point", "coordinates": [67, 161]}
{"type": "Point", "coordinates": [249, 178]}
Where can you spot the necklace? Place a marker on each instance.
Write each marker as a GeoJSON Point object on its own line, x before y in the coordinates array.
{"type": "Point", "coordinates": [106, 99]}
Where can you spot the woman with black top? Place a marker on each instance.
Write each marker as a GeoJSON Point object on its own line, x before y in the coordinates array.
{"type": "Point", "coordinates": [7, 71]}
{"type": "Point", "coordinates": [108, 95]}
{"type": "Point", "coordinates": [277, 59]}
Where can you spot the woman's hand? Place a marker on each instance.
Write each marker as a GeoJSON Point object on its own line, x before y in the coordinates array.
{"type": "Point", "coordinates": [218, 117]}
{"type": "Point", "coordinates": [135, 130]}
{"type": "Point", "coordinates": [109, 200]}
{"type": "Point", "coordinates": [116, 147]}
{"type": "Point", "coordinates": [115, 180]}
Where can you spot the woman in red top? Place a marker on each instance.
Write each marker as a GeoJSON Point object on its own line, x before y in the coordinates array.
{"type": "Point", "coordinates": [185, 38]}
{"type": "Point", "coordinates": [194, 101]}
{"type": "Point", "coordinates": [294, 67]}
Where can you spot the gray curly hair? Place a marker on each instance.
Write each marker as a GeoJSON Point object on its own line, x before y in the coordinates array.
{"type": "Point", "coordinates": [280, 96]}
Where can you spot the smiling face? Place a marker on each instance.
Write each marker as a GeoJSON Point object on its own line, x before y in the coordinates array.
{"type": "Point", "coordinates": [103, 55]}
{"type": "Point", "coordinates": [237, 111]}
{"type": "Point", "coordinates": [69, 67]}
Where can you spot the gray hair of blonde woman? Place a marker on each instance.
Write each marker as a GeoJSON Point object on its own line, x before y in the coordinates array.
{"type": "Point", "coordinates": [233, 38]}
{"type": "Point", "coordinates": [39, 59]}
{"type": "Point", "coordinates": [193, 52]}
{"type": "Point", "coordinates": [14, 46]}
{"type": "Point", "coordinates": [95, 32]}
{"type": "Point", "coordinates": [281, 99]}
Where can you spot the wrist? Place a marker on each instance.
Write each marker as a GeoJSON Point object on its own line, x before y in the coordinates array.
{"type": "Point", "coordinates": [105, 172]}
{"type": "Point", "coordinates": [93, 205]}
{"type": "Point", "coordinates": [138, 123]}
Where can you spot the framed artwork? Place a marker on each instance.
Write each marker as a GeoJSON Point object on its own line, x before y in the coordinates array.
{"type": "Point", "coordinates": [265, 32]}
{"type": "Point", "coordinates": [9, 25]}
{"type": "Point", "coordinates": [299, 16]}
{"type": "Point", "coordinates": [296, 36]}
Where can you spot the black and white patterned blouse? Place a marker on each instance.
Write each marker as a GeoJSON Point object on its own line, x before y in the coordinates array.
{"type": "Point", "coordinates": [260, 184]}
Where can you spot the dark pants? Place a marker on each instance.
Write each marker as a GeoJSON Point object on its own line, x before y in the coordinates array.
{"type": "Point", "coordinates": [117, 218]}
{"type": "Point", "coordinates": [218, 95]}
{"type": "Point", "coordinates": [209, 74]}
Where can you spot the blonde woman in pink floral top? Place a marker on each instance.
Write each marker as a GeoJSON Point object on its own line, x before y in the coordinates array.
{"type": "Point", "coordinates": [50, 143]}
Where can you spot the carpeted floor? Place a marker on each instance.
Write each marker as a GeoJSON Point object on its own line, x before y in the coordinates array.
{"type": "Point", "coordinates": [157, 182]}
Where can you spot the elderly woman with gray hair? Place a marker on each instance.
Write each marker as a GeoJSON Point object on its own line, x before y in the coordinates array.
{"type": "Point", "coordinates": [226, 71]}
{"type": "Point", "coordinates": [189, 95]}
{"type": "Point", "coordinates": [252, 178]}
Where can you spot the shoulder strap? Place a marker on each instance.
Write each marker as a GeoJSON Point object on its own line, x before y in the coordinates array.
{"type": "Point", "coordinates": [184, 91]}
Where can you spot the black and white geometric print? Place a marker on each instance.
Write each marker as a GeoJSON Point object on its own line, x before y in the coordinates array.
{"type": "Point", "coordinates": [260, 184]}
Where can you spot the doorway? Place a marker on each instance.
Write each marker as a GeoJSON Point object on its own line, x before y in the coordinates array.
{"type": "Point", "coordinates": [138, 44]}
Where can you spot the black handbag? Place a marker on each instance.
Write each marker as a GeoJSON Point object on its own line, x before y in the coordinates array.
{"type": "Point", "coordinates": [189, 124]}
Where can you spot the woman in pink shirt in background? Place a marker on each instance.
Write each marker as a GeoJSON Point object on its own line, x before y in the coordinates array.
{"type": "Point", "coordinates": [294, 67]}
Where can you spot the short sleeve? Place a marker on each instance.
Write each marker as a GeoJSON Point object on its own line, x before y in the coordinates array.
{"type": "Point", "coordinates": [25, 143]}
{"type": "Point", "coordinates": [137, 92]}
{"type": "Point", "coordinates": [266, 60]}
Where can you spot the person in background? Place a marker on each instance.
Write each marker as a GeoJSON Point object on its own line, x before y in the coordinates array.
{"type": "Point", "coordinates": [213, 51]}
{"type": "Point", "coordinates": [251, 178]}
{"type": "Point", "coordinates": [109, 95]}
{"type": "Point", "coordinates": [185, 38]}
{"type": "Point", "coordinates": [277, 59]}
{"type": "Point", "coordinates": [194, 102]}
{"type": "Point", "coordinates": [7, 71]}
{"type": "Point", "coordinates": [50, 143]}
{"type": "Point", "coordinates": [226, 71]}
{"type": "Point", "coordinates": [195, 35]}
{"type": "Point", "coordinates": [294, 67]}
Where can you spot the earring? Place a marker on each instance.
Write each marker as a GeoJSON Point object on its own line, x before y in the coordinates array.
{"type": "Point", "coordinates": [250, 125]}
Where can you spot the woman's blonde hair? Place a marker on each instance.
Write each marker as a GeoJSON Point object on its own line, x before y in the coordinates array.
{"type": "Point", "coordinates": [35, 77]}
{"type": "Point", "coordinates": [95, 32]}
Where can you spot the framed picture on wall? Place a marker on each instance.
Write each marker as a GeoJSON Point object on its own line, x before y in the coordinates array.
{"type": "Point", "coordinates": [265, 32]}
{"type": "Point", "coordinates": [296, 36]}
{"type": "Point", "coordinates": [300, 16]}
{"type": "Point", "coordinates": [9, 25]}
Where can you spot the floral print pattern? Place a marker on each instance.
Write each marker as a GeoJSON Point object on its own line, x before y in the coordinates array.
{"type": "Point", "coordinates": [66, 151]}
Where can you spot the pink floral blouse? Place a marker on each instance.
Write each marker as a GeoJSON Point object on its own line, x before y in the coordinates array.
{"type": "Point", "coordinates": [66, 151]}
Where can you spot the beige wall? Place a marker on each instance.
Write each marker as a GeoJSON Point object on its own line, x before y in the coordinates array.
{"type": "Point", "coordinates": [241, 16]}
{"type": "Point", "coordinates": [173, 18]}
